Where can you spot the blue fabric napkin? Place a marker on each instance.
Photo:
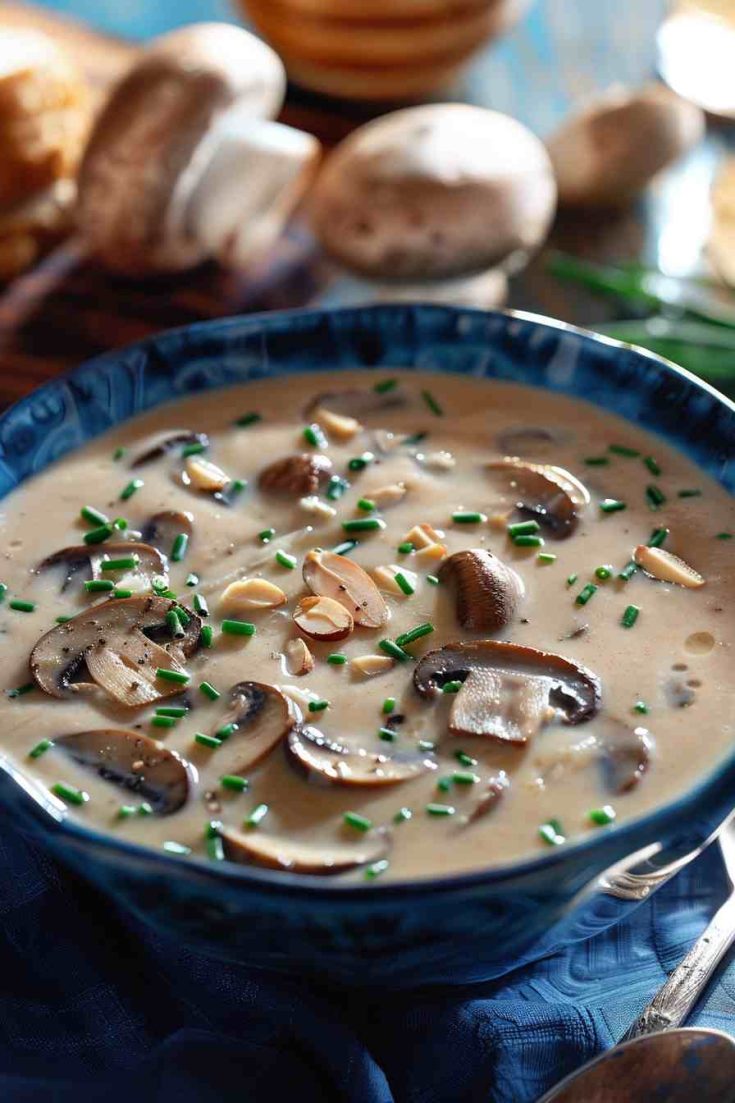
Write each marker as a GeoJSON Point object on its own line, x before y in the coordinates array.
{"type": "Point", "coordinates": [96, 1009]}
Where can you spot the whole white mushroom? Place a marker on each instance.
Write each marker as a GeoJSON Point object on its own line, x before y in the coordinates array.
{"type": "Point", "coordinates": [607, 154]}
{"type": "Point", "coordinates": [434, 192]}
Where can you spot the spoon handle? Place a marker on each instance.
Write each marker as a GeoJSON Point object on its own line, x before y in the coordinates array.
{"type": "Point", "coordinates": [676, 998]}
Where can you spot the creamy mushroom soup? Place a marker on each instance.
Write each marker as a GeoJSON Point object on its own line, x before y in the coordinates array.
{"type": "Point", "coordinates": [368, 624]}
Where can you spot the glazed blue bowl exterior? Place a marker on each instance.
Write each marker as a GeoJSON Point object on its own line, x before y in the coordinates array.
{"type": "Point", "coordinates": [445, 930]}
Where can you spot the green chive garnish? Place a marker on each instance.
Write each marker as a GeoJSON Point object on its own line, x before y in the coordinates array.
{"type": "Point", "coordinates": [603, 573]}
{"type": "Point", "coordinates": [414, 438]}
{"type": "Point", "coordinates": [552, 833]}
{"type": "Point", "coordinates": [546, 557]}
{"type": "Point", "coordinates": [200, 605]}
{"type": "Point", "coordinates": [163, 721]}
{"type": "Point", "coordinates": [723, 536]}
{"type": "Point", "coordinates": [175, 626]}
{"type": "Point", "coordinates": [657, 537]}
{"type": "Point", "coordinates": [336, 488]}
{"type": "Point", "coordinates": [366, 505]}
{"type": "Point", "coordinates": [571, 579]}
{"type": "Point", "coordinates": [465, 759]}
{"type": "Point", "coordinates": [359, 463]}
{"type": "Point", "coordinates": [119, 453]}
{"type": "Point", "coordinates": [426, 745]}
{"type": "Point", "coordinates": [118, 592]}
{"type": "Point", "coordinates": [20, 691]}
{"type": "Point", "coordinates": [247, 419]}
{"type": "Point", "coordinates": [209, 691]}
{"type": "Point", "coordinates": [628, 571]}
{"type": "Point", "coordinates": [125, 811]}
{"type": "Point", "coordinates": [286, 560]}
{"type": "Point", "coordinates": [99, 586]}
{"type": "Point", "coordinates": [345, 547]}
{"type": "Point", "coordinates": [206, 635]}
{"type": "Point", "coordinates": [363, 524]}
{"type": "Point", "coordinates": [414, 634]}
{"type": "Point", "coordinates": [360, 823]}
{"type": "Point", "coordinates": [444, 784]}
{"type": "Point", "coordinates": [120, 523]}
{"type": "Point", "coordinates": [94, 516]}
{"type": "Point", "coordinates": [41, 748]}
{"type": "Point", "coordinates": [314, 436]}
{"type": "Point", "coordinates": [612, 505]}
{"type": "Point", "coordinates": [375, 869]}
{"type": "Point", "coordinates": [693, 493]}
{"type": "Point", "coordinates": [402, 815]}
{"type": "Point", "coordinates": [388, 706]}
{"type": "Point", "coordinates": [432, 579]}
{"type": "Point", "coordinates": [405, 548]}
{"type": "Point", "coordinates": [585, 594]}
{"type": "Point", "coordinates": [172, 847]}
{"type": "Point", "coordinates": [596, 461]}
{"type": "Point", "coordinates": [452, 687]}
{"type": "Point", "coordinates": [130, 489]}
{"type": "Point", "coordinates": [641, 707]}
{"type": "Point", "coordinates": [385, 385]}
{"type": "Point", "coordinates": [318, 706]}
{"type": "Point", "coordinates": [623, 450]}
{"type": "Point", "coordinates": [432, 403]}
{"type": "Point", "coordinates": [215, 849]}
{"type": "Point", "coordinates": [403, 584]}
{"type": "Point", "coordinates": [440, 809]}
{"type": "Point", "coordinates": [207, 741]}
{"type": "Point", "coordinates": [523, 528]}
{"type": "Point", "coordinates": [69, 793]}
{"type": "Point", "coordinates": [225, 731]}
{"type": "Point", "coordinates": [22, 606]}
{"type": "Point", "coordinates": [266, 535]}
{"type": "Point", "coordinates": [194, 449]}
{"type": "Point", "coordinates": [238, 627]}
{"type": "Point", "coordinates": [180, 677]}
{"type": "Point", "coordinates": [465, 777]}
{"type": "Point", "coordinates": [335, 659]}
{"type": "Point", "coordinates": [176, 711]}
{"type": "Point", "coordinates": [182, 614]}
{"type": "Point", "coordinates": [630, 616]}
{"type": "Point", "coordinates": [602, 816]}
{"type": "Point", "coordinates": [178, 551]}
{"type": "Point", "coordinates": [395, 652]}
{"type": "Point", "coordinates": [528, 541]}
{"type": "Point", "coordinates": [192, 579]}
{"type": "Point", "coordinates": [3, 591]}
{"type": "Point", "coordinates": [256, 816]}
{"type": "Point", "coordinates": [98, 535]}
{"type": "Point", "coordinates": [145, 809]}
{"type": "Point", "coordinates": [655, 496]}
{"type": "Point", "coordinates": [234, 783]}
{"type": "Point", "coordinates": [652, 465]}
{"type": "Point", "coordinates": [127, 563]}
{"type": "Point", "coordinates": [388, 735]}
{"type": "Point", "coordinates": [468, 517]}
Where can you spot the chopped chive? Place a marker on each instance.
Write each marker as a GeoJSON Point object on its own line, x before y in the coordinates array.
{"type": "Point", "coordinates": [552, 833]}
{"type": "Point", "coordinates": [690, 493]}
{"type": "Point", "coordinates": [432, 403]}
{"type": "Point", "coordinates": [641, 707]}
{"type": "Point", "coordinates": [546, 557]}
{"type": "Point", "coordinates": [628, 570]}
{"type": "Point", "coordinates": [207, 741]}
{"type": "Point", "coordinates": [585, 594]}
{"type": "Point", "coordinates": [200, 605]}
{"type": "Point", "coordinates": [335, 659]}
{"type": "Point", "coordinates": [403, 584]}
{"type": "Point", "coordinates": [225, 731]}
{"type": "Point", "coordinates": [145, 809]}
{"type": "Point", "coordinates": [119, 453]}
{"type": "Point", "coordinates": [597, 461]}
{"type": "Point", "coordinates": [405, 548]}
{"type": "Point", "coordinates": [314, 436]}
{"type": "Point", "coordinates": [41, 748]}
{"type": "Point", "coordinates": [426, 745]}
{"type": "Point", "coordinates": [414, 634]}
{"type": "Point", "coordinates": [359, 463]}
{"type": "Point", "coordinates": [366, 505]}
{"type": "Point", "coordinates": [464, 759]}
{"type": "Point", "coordinates": [318, 706]}
{"type": "Point", "coordinates": [215, 849]}
{"type": "Point", "coordinates": [125, 811]}
{"type": "Point", "coordinates": [194, 449]}
{"type": "Point", "coordinates": [465, 777]}
{"type": "Point", "coordinates": [192, 579]}
{"type": "Point", "coordinates": [130, 489]}
{"type": "Point", "coordinates": [209, 691]}
{"type": "Point", "coordinates": [172, 847]}
{"type": "Point", "coordinates": [69, 793]}
{"type": "Point", "coordinates": [98, 535]}
{"type": "Point", "coordinates": [23, 606]}
{"type": "Point", "coordinates": [602, 816]}
{"type": "Point", "coordinates": [612, 505]}
{"type": "Point", "coordinates": [176, 711]}
{"type": "Point", "coordinates": [158, 584]}
{"type": "Point", "coordinates": [388, 706]}
{"type": "Point", "coordinates": [440, 809]}
{"type": "Point", "coordinates": [178, 551]}
{"type": "Point", "coordinates": [120, 523]}
{"type": "Point", "coordinates": [375, 869]}
{"type": "Point", "coordinates": [94, 516]}
{"type": "Point", "coordinates": [257, 815]}
{"type": "Point", "coordinates": [468, 517]}
{"type": "Point", "coordinates": [363, 524]}
{"type": "Point", "coordinates": [395, 652]}
{"type": "Point", "coordinates": [266, 535]}
{"type": "Point", "coordinates": [623, 450]}
{"type": "Point", "coordinates": [206, 635]}
{"type": "Point", "coordinates": [385, 385]}
{"type": "Point", "coordinates": [127, 563]}
{"type": "Point", "coordinates": [336, 488]}
{"type": "Point", "coordinates": [630, 616]}
{"type": "Point", "coordinates": [234, 783]}
{"type": "Point", "coordinates": [603, 573]}
{"type": "Point", "coordinates": [118, 592]}
{"type": "Point", "coordinates": [20, 691]}
{"type": "Point", "coordinates": [414, 438]}
{"type": "Point", "coordinates": [528, 541]}
{"type": "Point", "coordinates": [388, 735]}
{"type": "Point", "coordinates": [452, 687]}
{"type": "Point", "coordinates": [247, 419]}
{"type": "Point", "coordinates": [180, 677]}
{"type": "Point", "coordinates": [655, 496]}
{"type": "Point", "coordinates": [3, 591]}
{"type": "Point", "coordinates": [236, 486]}
{"type": "Point", "coordinates": [285, 559]}
{"type": "Point", "coordinates": [523, 528]}
{"type": "Point", "coordinates": [571, 579]}
{"type": "Point", "coordinates": [345, 547]}
{"type": "Point", "coordinates": [723, 536]}
{"type": "Point", "coordinates": [444, 784]}
{"type": "Point", "coordinates": [360, 823]}
{"type": "Point", "coordinates": [652, 465]}
{"type": "Point", "coordinates": [163, 721]}
{"type": "Point", "coordinates": [238, 627]}
{"type": "Point", "coordinates": [99, 586]}
{"type": "Point", "coordinates": [658, 537]}
{"type": "Point", "coordinates": [175, 626]}
{"type": "Point", "coordinates": [432, 580]}
{"type": "Point", "coordinates": [402, 815]}
{"type": "Point", "coordinates": [182, 614]}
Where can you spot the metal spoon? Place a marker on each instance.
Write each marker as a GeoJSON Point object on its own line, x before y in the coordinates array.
{"type": "Point", "coordinates": [655, 1061]}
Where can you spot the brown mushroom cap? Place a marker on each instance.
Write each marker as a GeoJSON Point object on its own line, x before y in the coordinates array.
{"type": "Point", "coordinates": [549, 494]}
{"type": "Point", "coordinates": [297, 475]}
{"type": "Point", "coordinates": [162, 528]}
{"type": "Point", "coordinates": [328, 574]}
{"type": "Point", "coordinates": [112, 643]}
{"type": "Point", "coordinates": [80, 557]}
{"type": "Point", "coordinates": [134, 762]}
{"type": "Point", "coordinates": [263, 716]}
{"type": "Point", "coordinates": [356, 403]}
{"type": "Point", "coordinates": [319, 859]}
{"type": "Point", "coordinates": [160, 444]}
{"type": "Point", "coordinates": [509, 691]}
{"type": "Point", "coordinates": [324, 760]}
{"type": "Point", "coordinates": [488, 593]}
{"type": "Point", "coordinates": [489, 797]}
{"type": "Point", "coordinates": [625, 754]}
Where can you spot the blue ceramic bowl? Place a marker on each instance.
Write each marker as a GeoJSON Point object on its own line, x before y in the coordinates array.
{"type": "Point", "coordinates": [449, 929]}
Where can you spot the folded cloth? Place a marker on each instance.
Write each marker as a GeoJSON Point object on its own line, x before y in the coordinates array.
{"type": "Point", "coordinates": [97, 1009]}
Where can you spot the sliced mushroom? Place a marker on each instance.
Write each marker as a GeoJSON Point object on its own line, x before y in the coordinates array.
{"type": "Point", "coordinates": [82, 557]}
{"type": "Point", "coordinates": [526, 440]}
{"type": "Point", "coordinates": [162, 528]}
{"type": "Point", "coordinates": [323, 618]}
{"type": "Point", "coordinates": [320, 859]}
{"type": "Point", "coordinates": [134, 762]}
{"type": "Point", "coordinates": [488, 593]}
{"type": "Point", "coordinates": [489, 797]}
{"type": "Point", "coordinates": [509, 691]}
{"type": "Point", "coordinates": [548, 494]}
{"type": "Point", "coordinates": [296, 475]}
{"type": "Point", "coordinates": [112, 643]}
{"type": "Point", "coordinates": [625, 754]}
{"type": "Point", "coordinates": [356, 403]}
{"type": "Point", "coordinates": [261, 716]}
{"type": "Point", "coordinates": [324, 760]}
{"type": "Point", "coordinates": [328, 574]}
{"type": "Point", "coordinates": [678, 694]}
{"type": "Point", "coordinates": [665, 567]}
{"type": "Point", "coordinates": [159, 445]}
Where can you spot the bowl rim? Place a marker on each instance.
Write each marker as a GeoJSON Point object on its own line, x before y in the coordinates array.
{"type": "Point", "coordinates": [58, 818]}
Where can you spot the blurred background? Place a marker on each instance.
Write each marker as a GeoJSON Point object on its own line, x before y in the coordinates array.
{"type": "Point", "coordinates": [632, 100]}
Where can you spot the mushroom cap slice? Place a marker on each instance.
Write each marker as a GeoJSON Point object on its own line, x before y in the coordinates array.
{"type": "Point", "coordinates": [550, 494]}
{"type": "Point", "coordinates": [77, 557]}
{"type": "Point", "coordinates": [113, 642]}
{"type": "Point", "coordinates": [322, 759]}
{"type": "Point", "coordinates": [162, 528]}
{"type": "Point", "coordinates": [320, 859]}
{"type": "Point", "coordinates": [134, 762]}
{"type": "Point", "coordinates": [328, 574]}
{"type": "Point", "coordinates": [355, 403]}
{"type": "Point", "coordinates": [625, 754]}
{"type": "Point", "coordinates": [509, 691]}
{"type": "Point", "coordinates": [297, 475]}
{"type": "Point", "coordinates": [490, 796]}
{"type": "Point", "coordinates": [488, 593]}
{"type": "Point", "coordinates": [263, 716]}
{"type": "Point", "coordinates": [158, 445]}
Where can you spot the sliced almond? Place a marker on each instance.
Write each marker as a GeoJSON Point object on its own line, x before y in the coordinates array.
{"type": "Point", "coordinates": [323, 618]}
{"type": "Point", "coordinates": [385, 496]}
{"type": "Point", "coordinates": [661, 564]}
{"type": "Point", "coordinates": [335, 576]}
{"type": "Point", "coordinates": [337, 425]}
{"type": "Point", "coordinates": [432, 554]}
{"type": "Point", "coordinates": [317, 508]}
{"type": "Point", "coordinates": [423, 535]}
{"type": "Point", "coordinates": [299, 660]}
{"type": "Point", "coordinates": [205, 475]}
{"type": "Point", "coordinates": [253, 593]}
{"type": "Point", "coordinates": [386, 578]}
{"type": "Point", "coordinates": [369, 666]}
